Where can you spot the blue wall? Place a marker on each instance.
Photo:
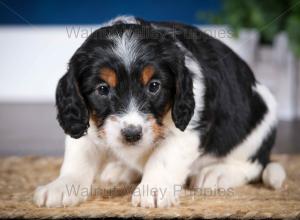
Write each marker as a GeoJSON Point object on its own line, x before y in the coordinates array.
{"type": "Point", "coordinates": [94, 12]}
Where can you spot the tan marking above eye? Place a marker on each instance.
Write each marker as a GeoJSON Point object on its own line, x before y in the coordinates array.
{"type": "Point", "coordinates": [147, 74]}
{"type": "Point", "coordinates": [109, 76]}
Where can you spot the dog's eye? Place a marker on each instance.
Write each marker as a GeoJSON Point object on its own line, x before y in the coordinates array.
{"type": "Point", "coordinates": [154, 86]}
{"type": "Point", "coordinates": [103, 89]}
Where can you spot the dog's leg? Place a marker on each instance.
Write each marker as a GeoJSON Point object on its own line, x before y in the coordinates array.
{"type": "Point", "coordinates": [245, 162]}
{"type": "Point", "coordinates": [80, 165]}
{"type": "Point", "coordinates": [166, 171]}
{"type": "Point", "coordinates": [226, 174]}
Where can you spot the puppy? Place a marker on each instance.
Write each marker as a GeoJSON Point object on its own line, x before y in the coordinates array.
{"type": "Point", "coordinates": [162, 102]}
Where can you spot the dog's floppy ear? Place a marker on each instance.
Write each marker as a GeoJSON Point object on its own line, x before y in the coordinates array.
{"type": "Point", "coordinates": [184, 103]}
{"type": "Point", "coordinates": [72, 113]}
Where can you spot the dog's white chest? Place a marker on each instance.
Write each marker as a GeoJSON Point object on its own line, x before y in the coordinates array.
{"type": "Point", "coordinates": [134, 157]}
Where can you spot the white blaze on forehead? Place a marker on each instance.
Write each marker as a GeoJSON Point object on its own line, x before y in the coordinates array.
{"type": "Point", "coordinates": [126, 47]}
{"type": "Point", "coordinates": [133, 115]}
{"type": "Point", "coordinates": [126, 19]}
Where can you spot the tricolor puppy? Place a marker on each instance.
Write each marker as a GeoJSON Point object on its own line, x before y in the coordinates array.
{"type": "Point", "coordinates": [160, 102]}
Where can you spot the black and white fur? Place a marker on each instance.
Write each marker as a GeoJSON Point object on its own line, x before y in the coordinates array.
{"type": "Point", "coordinates": [219, 130]}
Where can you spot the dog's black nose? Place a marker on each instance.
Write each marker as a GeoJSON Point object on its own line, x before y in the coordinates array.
{"type": "Point", "coordinates": [132, 133]}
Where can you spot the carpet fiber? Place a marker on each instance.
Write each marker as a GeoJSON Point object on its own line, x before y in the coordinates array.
{"type": "Point", "coordinates": [19, 176]}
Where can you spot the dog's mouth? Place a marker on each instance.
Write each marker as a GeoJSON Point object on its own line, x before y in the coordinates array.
{"type": "Point", "coordinates": [130, 144]}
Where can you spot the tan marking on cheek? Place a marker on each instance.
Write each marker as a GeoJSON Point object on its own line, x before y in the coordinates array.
{"type": "Point", "coordinates": [167, 108]}
{"type": "Point", "coordinates": [98, 122]}
{"type": "Point", "coordinates": [157, 130]}
{"type": "Point", "coordinates": [109, 76]}
{"type": "Point", "coordinates": [147, 74]}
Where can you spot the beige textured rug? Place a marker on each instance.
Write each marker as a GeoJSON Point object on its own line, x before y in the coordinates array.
{"type": "Point", "coordinates": [19, 176]}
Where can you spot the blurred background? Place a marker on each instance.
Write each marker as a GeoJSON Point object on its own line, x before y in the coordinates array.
{"type": "Point", "coordinates": [38, 37]}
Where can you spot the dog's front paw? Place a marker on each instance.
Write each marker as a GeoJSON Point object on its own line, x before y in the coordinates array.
{"type": "Point", "coordinates": [155, 195]}
{"type": "Point", "coordinates": [62, 192]}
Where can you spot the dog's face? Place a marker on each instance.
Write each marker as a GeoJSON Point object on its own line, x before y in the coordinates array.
{"type": "Point", "coordinates": [125, 79]}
